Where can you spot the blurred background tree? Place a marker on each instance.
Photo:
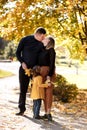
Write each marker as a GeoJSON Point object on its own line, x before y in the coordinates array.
{"type": "Point", "coordinates": [9, 51]}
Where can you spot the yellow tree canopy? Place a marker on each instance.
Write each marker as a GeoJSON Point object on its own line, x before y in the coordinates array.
{"type": "Point", "coordinates": [61, 18]}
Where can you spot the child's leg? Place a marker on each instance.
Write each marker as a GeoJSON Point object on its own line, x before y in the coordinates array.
{"type": "Point", "coordinates": [36, 107]}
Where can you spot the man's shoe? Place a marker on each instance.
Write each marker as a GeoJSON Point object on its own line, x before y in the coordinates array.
{"type": "Point", "coordinates": [20, 113]}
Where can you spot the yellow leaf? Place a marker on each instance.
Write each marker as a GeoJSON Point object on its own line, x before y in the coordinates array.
{"type": "Point", "coordinates": [28, 72]}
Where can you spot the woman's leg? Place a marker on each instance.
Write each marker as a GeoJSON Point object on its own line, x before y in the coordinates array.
{"type": "Point", "coordinates": [48, 102]}
{"type": "Point", "coordinates": [48, 99]}
{"type": "Point", "coordinates": [49, 96]}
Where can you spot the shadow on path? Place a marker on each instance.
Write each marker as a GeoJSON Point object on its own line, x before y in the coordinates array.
{"type": "Point", "coordinates": [46, 125]}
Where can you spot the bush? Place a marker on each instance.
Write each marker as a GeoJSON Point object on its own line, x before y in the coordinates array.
{"type": "Point", "coordinates": [60, 80]}
{"type": "Point", "coordinates": [63, 90]}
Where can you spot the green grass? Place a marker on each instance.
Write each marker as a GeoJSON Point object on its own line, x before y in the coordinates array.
{"type": "Point", "coordinates": [4, 74]}
{"type": "Point", "coordinates": [80, 80]}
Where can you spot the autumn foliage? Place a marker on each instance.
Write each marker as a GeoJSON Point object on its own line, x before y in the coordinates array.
{"type": "Point", "coordinates": [66, 20]}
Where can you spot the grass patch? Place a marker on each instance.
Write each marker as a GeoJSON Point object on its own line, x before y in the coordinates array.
{"type": "Point", "coordinates": [80, 80]}
{"type": "Point", "coordinates": [4, 74]}
{"type": "Point", "coordinates": [71, 75]}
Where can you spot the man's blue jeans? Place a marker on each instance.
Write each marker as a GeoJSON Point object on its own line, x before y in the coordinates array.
{"type": "Point", "coordinates": [36, 107]}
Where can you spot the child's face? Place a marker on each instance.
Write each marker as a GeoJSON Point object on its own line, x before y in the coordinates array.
{"type": "Point", "coordinates": [45, 41]}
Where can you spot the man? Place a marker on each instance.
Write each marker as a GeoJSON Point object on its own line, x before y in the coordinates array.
{"type": "Point", "coordinates": [27, 53]}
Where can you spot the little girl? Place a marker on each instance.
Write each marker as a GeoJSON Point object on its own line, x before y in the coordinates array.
{"type": "Point", "coordinates": [37, 92]}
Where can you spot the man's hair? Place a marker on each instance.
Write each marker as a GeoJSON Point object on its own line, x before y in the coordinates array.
{"type": "Point", "coordinates": [40, 30]}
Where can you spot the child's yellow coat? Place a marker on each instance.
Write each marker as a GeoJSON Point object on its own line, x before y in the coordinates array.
{"type": "Point", "coordinates": [37, 92]}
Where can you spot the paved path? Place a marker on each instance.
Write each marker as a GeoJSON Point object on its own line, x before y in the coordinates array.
{"type": "Point", "coordinates": [8, 107]}
{"type": "Point", "coordinates": [9, 94]}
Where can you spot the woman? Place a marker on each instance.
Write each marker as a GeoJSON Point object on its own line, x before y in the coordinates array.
{"type": "Point", "coordinates": [47, 63]}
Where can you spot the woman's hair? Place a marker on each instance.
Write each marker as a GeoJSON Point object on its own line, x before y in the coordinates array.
{"type": "Point", "coordinates": [51, 43]}
{"type": "Point", "coordinates": [36, 70]}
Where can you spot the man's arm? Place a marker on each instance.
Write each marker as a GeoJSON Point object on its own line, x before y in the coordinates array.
{"type": "Point", "coordinates": [19, 50]}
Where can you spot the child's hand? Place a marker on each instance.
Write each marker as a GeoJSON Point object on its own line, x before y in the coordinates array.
{"type": "Point", "coordinates": [48, 77]}
{"type": "Point", "coordinates": [48, 82]}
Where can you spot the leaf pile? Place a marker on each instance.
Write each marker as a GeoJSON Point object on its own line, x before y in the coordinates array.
{"type": "Point", "coordinates": [78, 107]}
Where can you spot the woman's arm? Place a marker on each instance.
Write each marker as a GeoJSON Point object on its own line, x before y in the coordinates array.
{"type": "Point", "coordinates": [52, 61]}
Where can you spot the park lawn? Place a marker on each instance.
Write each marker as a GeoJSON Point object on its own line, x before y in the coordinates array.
{"type": "Point", "coordinates": [4, 74]}
{"type": "Point", "coordinates": [80, 80]}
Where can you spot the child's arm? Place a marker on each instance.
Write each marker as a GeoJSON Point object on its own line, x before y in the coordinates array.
{"type": "Point", "coordinates": [46, 84]}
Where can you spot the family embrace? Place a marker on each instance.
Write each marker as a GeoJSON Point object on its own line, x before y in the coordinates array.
{"type": "Point", "coordinates": [36, 52]}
